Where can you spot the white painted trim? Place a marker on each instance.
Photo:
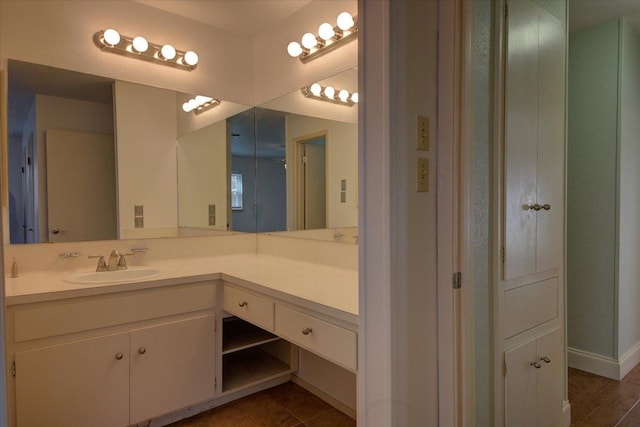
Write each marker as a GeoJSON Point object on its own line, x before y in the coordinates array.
{"type": "Point", "coordinates": [448, 213]}
{"type": "Point", "coordinates": [594, 363]}
{"type": "Point", "coordinates": [566, 413]}
{"type": "Point", "coordinates": [375, 395]}
{"type": "Point", "coordinates": [629, 360]}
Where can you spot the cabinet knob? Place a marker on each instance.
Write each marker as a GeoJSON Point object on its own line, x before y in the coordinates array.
{"type": "Point", "coordinates": [119, 356]}
{"type": "Point", "coordinates": [536, 365]}
{"type": "Point", "coordinates": [142, 350]}
{"type": "Point", "coordinates": [545, 359]}
{"type": "Point", "coordinates": [307, 331]}
{"type": "Point", "coordinates": [243, 304]}
{"type": "Point", "coordinates": [546, 206]}
{"type": "Point", "coordinates": [535, 207]}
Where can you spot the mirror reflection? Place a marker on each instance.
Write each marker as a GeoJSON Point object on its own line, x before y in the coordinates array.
{"type": "Point", "coordinates": [92, 158]}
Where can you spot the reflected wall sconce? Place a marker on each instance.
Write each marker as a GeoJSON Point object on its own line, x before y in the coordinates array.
{"type": "Point", "coordinates": [138, 47]}
{"type": "Point", "coordinates": [330, 94]}
{"type": "Point", "coordinates": [200, 104]}
{"type": "Point", "coordinates": [329, 38]}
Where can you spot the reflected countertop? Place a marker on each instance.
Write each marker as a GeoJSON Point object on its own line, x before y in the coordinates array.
{"type": "Point", "coordinates": [317, 287]}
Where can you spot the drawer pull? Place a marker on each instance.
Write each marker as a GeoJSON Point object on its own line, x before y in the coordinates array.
{"type": "Point", "coordinates": [119, 356]}
{"type": "Point", "coordinates": [142, 350]}
{"type": "Point", "coordinates": [536, 365]}
{"type": "Point", "coordinates": [545, 359]}
{"type": "Point", "coordinates": [243, 304]}
{"type": "Point", "coordinates": [307, 331]}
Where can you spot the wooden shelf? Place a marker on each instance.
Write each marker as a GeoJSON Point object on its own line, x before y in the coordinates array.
{"type": "Point", "coordinates": [252, 365]}
{"type": "Point", "coordinates": [239, 335]}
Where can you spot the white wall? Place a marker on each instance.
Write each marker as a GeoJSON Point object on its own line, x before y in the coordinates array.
{"type": "Point", "coordinates": [59, 34]}
{"type": "Point", "coordinates": [203, 176]}
{"type": "Point", "coordinates": [629, 212]}
{"type": "Point", "coordinates": [342, 161]}
{"type": "Point", "coordinates": [146, 152]}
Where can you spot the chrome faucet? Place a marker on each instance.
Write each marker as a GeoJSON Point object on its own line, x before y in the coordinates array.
{"type": "Point", "coordinates": [117, 261]}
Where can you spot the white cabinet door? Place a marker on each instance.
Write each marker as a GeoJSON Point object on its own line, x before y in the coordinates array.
{"type": "Point", "coordinates": [520, 386]}
{"type": "Point", "coordinates": [534, 140]}
{"type": "Point", "coordinates": [550, 379]}
{"type": "Point", "coordinates": [172, 367]}
{"type": "Point", "coordinates": [534, 382]}
{"type": "Point", "coordinates": [82, 383]}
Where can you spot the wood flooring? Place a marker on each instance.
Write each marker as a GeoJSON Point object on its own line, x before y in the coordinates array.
{"type": "Point", "coordinates": [598, 401]}
{"type": "Point", "coordinates": [287, 405]}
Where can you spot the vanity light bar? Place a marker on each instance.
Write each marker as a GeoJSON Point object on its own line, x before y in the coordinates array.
{"type": "Point", "coordinates": [330, 94]}
{"type": "Point", "coordinates": [138, 47]}
{"type": "Point", "coordinates": [200, 104]}
{"type": "Point", "coordinates": [329, 38]}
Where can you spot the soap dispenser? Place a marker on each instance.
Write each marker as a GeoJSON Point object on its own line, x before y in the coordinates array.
{"type": "Point", "coordinates": [14, 268]}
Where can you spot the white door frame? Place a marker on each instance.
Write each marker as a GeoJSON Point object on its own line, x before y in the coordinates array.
{"type": "Point", "coordinates": [376, 404]}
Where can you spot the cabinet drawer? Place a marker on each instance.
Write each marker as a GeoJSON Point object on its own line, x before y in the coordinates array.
{"type": "Point", "coordinates": [530, 306]}
{"type": "Point", "coordinates": [328, 340]}
{"type": "Point", "coordinates": [248, 306]}
{"type": "Point", "coordinates": [83, 314]}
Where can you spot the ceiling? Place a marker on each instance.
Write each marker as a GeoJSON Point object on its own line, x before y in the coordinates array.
{"type": "Point", "coordinates": [587, 13]}
{"type": "Point", "coordinates": [246, 17]}
{"type": "Point", "coordinates": [250, 17]}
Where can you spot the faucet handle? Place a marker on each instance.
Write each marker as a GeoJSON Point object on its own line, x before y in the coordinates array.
{"type": "Point", "coordinates": [102, 265]}
{"type": "Point", "coordinates": [122, 261]}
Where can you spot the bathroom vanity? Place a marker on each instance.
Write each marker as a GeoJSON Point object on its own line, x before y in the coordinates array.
{"type": "Point", "coordinates": [203, 332]}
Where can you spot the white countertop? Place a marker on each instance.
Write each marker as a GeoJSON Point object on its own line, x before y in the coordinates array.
{"type": "Point", "coordinates": [319, 287]}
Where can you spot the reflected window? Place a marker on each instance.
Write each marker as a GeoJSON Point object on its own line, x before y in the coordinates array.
{"type": "Point", "coordinates": [236, 191]}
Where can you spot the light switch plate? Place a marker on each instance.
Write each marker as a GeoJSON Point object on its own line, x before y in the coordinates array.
{"type": "Point", "coordinates": [422, 173]}
{"type": "Point", "coordinates": [422, 133]}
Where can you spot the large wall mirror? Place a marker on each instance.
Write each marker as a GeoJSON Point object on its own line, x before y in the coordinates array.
{"type": "Point", "coordinates": [92, 158]}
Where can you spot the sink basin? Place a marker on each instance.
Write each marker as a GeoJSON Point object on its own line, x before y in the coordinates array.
{"type": "Point", "coordinates": [117, 276]}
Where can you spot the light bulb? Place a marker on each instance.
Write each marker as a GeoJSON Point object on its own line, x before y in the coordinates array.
{"type": "Point", "coordinates": [354, 97]}
{"type": "Point", "coordinates": [294, 49]}
{"type": "Point", "coordinates": [326, 32]}
{"type": "Point", "coordinates": [140, 44]}
{"type": "Point", "coordinates": [203, 99]}
{"type": "Point", "coordinates": [186, 107]}
{"type": "Point", "coordinates": [191, 58]}
{"type": "Point", "coordinates": [309, 40]}
{"type": "Point", "coordinates": [168, 52]}
{"type": "Point", "coordinates": [343, 95]}
{"type": "Point", "coordinates": [345, 21]}
{"type": "Point", "coordinates": [329, 92]}
{"type": "Point", "coordinates": [111, 37]}
{"type": "Point", "coordinates": [315, 89]}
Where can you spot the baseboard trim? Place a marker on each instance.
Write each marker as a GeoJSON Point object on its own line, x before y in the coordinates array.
{"type": "Point", "coordinates": [629, 360]}
{"type": "Point", "coordinates": [605, 366]}
{"type": "Point", "coordinates": [594, 363]}
{"type": "Point", "coordinates": [325, 396]}
{"type": "Point", "coordinates": [566, 413]}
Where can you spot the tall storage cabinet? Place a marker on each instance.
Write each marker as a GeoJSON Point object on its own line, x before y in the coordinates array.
{"type": "Point", "coordinates": [531, 237]}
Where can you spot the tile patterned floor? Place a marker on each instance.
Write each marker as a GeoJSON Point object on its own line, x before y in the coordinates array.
{"type": "Point", "coordinates": [287, 405]}
{"type": "Point", "coordinates": [598, 402]}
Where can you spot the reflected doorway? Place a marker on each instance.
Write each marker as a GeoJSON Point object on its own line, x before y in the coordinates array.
{"type": "Point", "coordinates": [311, 182]}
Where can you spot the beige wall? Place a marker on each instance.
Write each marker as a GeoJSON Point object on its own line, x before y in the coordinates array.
{"type": "Point", "coordinates": [202, 176]}
{"type": "Point", "coordinates": [147, 165]}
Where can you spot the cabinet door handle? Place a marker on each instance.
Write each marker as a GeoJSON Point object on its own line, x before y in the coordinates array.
{"type": "Point", "coordinates": [536, 365]}
{"type": "Point", "coordinates": [119, 356]}
{"type": "Point", "coordinates": [142, 350]}
{"type": "Point", "coordinates": [535, 207]}
{"type": "Point", "coordinates": [545, 359]}
{"type": "Point", "coordinates": [546, 206]}
{"type": "Point", "coordinates": [243, 304]}
{"type": "Point", "coordinates": [307, 331]}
